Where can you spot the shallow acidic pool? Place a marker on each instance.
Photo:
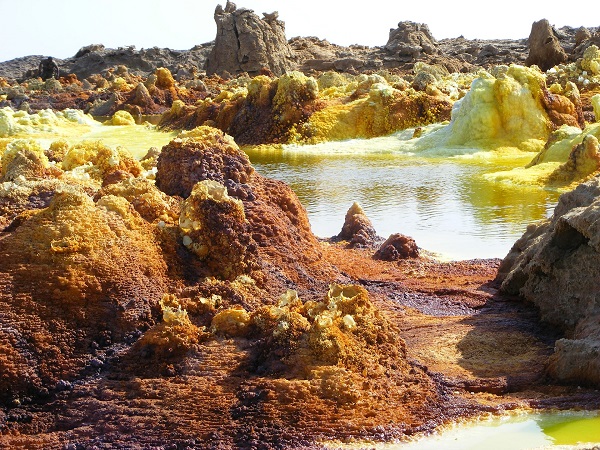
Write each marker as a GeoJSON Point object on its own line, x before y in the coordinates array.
{"type": "Point", "coordinates": [516, 432]}
{"type": "Point", "coordinates": [440, 199]}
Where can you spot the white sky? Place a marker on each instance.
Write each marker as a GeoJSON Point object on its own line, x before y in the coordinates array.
{"type": "Point", "coordinates": [61, 27]}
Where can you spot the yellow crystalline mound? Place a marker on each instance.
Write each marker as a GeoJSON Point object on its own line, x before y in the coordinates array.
{"type": "Point", "coordinates": [293, 90]}
{"type": "Point", "coordinates": [583, 161]}
{"type": "Point", "coordinates": [8, 125]}
{"type": "Point", "coordinates": [121, 118]}
{"type": "Point", "coordinates": [102, 159]}
{"type": "Point", "coordinates": [330, 332]}
{"type": "Point", "coordinates": [22, 124]}
{"type": "Point", "coordinates": [591, 60]}
{"type": "Point", "coordinates": [561, 143]}
{"type": "Point", "coordinates": [151, 203]}
{"type": "Point", "coordinates": [331, 80]}
{"type": "Point", "coordinates": [58, 149]}
{"type": "Point", "coordinates": [23, 157]}
{"type": "Point", "coordinates": [177, 108]}
{"type": "Point", "coordinates": [176, 333]}
{"type": "Point", "coordinates": [164, 78]}
{"type": "Point", "coordinates": [362, 118]}
{"type": "Point", "coordinates": [596, 105]}
{"type": "Point", "coordinates": [210, 136]}
{"type": "Point", "coordinates": [498, 112]}
{"type": "Point", "coordinates": [231, 322]}
{"type": "Point", "coordinates": [569, 155]}
{"type": "Point", "coordinates": [260, 91]}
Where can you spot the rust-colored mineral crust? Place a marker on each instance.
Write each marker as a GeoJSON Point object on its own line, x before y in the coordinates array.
{"type": "Point", "coordinates": [203, 313]}
{"type": "Point", "coordinates": [78, 277]}
{"type": "Point", "coordinates": [204, 153]}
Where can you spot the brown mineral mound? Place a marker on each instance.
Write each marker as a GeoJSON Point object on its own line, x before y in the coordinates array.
{"type": "Point", "coordinates": [84, 277]}
{"type": "Point", "coordinates": [235, 220]}
{"type": "Point", "coordinates": [297, 108]}
{"type": "Point", "coordinates": [78, 276]}
{"type": "Point", "coordinates": [202, 154]}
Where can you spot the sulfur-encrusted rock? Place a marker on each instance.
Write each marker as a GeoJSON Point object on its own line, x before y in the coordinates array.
{"type": "Point", "coordinates": [213, 226]}
{"type": "Point", "coordinates": [99, 161]}
{"type": "Point", "coordinates": [298, 337]}
{"type": "Point", "coordinates": [23, 158]}
{"type": "Point", "coordinates": [555, 266]}
{"type": "Point", "coordinates": [204, 153]}
{"type": "Point", "coordinates": [545, 50]}
{"type": "Point", "coordinates": [584, 160]}
{"type": "Point", "coordinates": [150, 203]}
{"type": "Point", "coordinates": [246, 43]}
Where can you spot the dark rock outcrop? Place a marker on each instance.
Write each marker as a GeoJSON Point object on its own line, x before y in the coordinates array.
{"type": "Point", "coordinates": [358, 229]}
{"type": "Point", "coordinates": [410, 40]}
{"type": "Point", "coordinates": [397, 246]}
{"type": "Point", "coordinates": [555, 266]}
{"type": "Point", "coordinates": [246, 43]}
{"type": "Point", "coordinates": [545, 50]}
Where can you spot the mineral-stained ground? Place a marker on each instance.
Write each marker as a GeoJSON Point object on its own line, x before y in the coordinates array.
{"type": "Point", "coordinates": [180, 300]}
{"type": "Point", "coordinates": [209, 316]}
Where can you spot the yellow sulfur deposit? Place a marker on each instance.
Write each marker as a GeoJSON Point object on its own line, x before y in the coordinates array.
{"type": "Point", "coordinates": [176, 333]}
{"type": "Point", "coordinates": [164, 78]}
{"type": "Point", "coordinates": [562, 141]}
{"type": "Point", "coordinates": [591, 60]}
{"type": "Point", "coordinates": [596, 105]}
{"type": "Point", "coordinates": [374, 108]}
{"type": "Point", "coordinates": [584, 160]}
{"type": "Point", "coordinates": [502, 111]}
{"type": "Point", "coordinates": [293, 90]}
{"type": "Point", "coordinates": [231, 322]}
{"type": "Point", "coordinates": [22, 124]}
{"type": "Point", "coordinates": [569, 155]}
{"type": "Point", "coordinates": [121, 118]}
{"type": "Point", "coordinates": [23, 157]}
{"type": "Point", "coordinates": [260, 90]}
{"type": "Point", "coordinates": [100, 160]}
{"type": "Point", "coordinates": [336, 332]}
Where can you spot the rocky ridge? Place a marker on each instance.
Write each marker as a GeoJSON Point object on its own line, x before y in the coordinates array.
{"type": "Point", "coordinates": [247, 43]}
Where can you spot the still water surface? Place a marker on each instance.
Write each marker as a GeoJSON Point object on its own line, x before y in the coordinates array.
{"type": "Point", "coordinates": [440, 199]}
{"type": "Point", "coordinates": [520, 432]}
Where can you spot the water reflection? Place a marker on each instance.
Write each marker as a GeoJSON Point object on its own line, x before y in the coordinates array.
{"type": "Point", "coordinates": [515, 432]}
{"type": "Point", "coordinates": [442, 202]}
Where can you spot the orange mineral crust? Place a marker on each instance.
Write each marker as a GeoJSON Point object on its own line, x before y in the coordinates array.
{"type": "Point", "coordinates": [207, 314]}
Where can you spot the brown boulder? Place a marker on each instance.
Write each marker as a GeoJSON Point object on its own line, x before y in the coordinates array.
{"type": "Point", "coordinates": [397, 246]}
{"type": "Point", "coordinates": [358, 229]}
{"type": "Point", "coordinates": [545, 50]}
